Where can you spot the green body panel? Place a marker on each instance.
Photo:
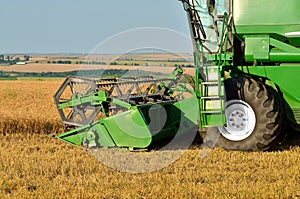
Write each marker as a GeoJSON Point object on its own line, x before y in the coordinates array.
{"type": "Point", "coordinates": [274, 17]}
{"type": "Point", "coordinates": [127, 129]}
{"type": "Point", "coordinates": [257, 48]}
{"type": "Point", "coordinates": [189, 108]}
{"type": "Point", "coordinates": [88, 133]}
{"type": "Point", "coordinates": [166, 120]}
{"type": "Point", "coordinates": [286, 77]}
{"type": "Point", "coordinates": [138, 127]}
{"type": "Point", "coordinates": [281, 56]}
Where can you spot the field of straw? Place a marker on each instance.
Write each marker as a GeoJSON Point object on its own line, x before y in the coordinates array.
{"type": "Point", "coordinates": [34, 165]}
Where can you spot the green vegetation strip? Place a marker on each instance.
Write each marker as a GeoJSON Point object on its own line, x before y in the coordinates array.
{"type": "Point", "coordinates": [83, 73]}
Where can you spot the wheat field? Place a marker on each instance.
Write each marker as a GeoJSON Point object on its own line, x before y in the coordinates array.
{"type": "Point", "coordinates": [35, 165]}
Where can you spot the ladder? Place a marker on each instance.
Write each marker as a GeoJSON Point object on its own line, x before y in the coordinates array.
{"type": "Point", "coordinates": [212, 92]}
{"type": "Point", "coordinates": [212, 98]}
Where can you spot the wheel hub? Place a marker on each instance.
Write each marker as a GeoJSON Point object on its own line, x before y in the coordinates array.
{"type": "Point", "coordinates": [240, 120]}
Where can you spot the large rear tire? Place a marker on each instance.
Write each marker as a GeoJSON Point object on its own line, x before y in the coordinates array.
{"type": "Point", "coordinates": [253, 114]}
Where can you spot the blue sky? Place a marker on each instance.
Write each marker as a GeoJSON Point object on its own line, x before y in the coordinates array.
{"type": "Point", "coordinates": [77, 26]}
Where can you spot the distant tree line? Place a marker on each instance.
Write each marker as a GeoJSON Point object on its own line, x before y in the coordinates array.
{"type": "Point", "coordinates": [90, 63]}
{"type": "Point", "coordinates": [77, 62]}
{"type": "Point", "coordinates": [60, 62]}
{"type": "Point", "coordinates": [112, 63]}
{"type": "Point", "coordinates": [83, 73]}
{"type": "Point", "coordinates": [184, 66]}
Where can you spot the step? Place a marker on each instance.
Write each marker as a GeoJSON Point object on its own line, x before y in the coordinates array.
{"type": "Point", "coordinates": [211, 73]}
{"type": "Point", "coordinates": [213, 111]}
{"type": "Point", "coordinates": [212, 126]}
{"type": "Point", "coordinates": [211, 89]}
{"type": "Point", "coordinates": [213, 120]}
{"type": "Point", "coordinates": [211, 83]}
{"type": "Point", "coordinates": [212, 97]}
{"type": "Point", "coordinates": [212, 77]}
{"type": "Point", "coordinates": [213, 104]}
{"type": "Point", "coordinates": [212, 67]}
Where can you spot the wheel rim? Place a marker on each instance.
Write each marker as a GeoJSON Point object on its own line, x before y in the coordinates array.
{"type": "Point", "coordinates": [240, 119]}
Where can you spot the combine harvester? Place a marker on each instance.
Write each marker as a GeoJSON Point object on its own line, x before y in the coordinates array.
{"type": "Point", "coordinates": [247, 65]}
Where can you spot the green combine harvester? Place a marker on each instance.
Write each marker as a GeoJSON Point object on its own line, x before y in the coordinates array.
{"type": "Point", "coordinates": [247, 65]}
